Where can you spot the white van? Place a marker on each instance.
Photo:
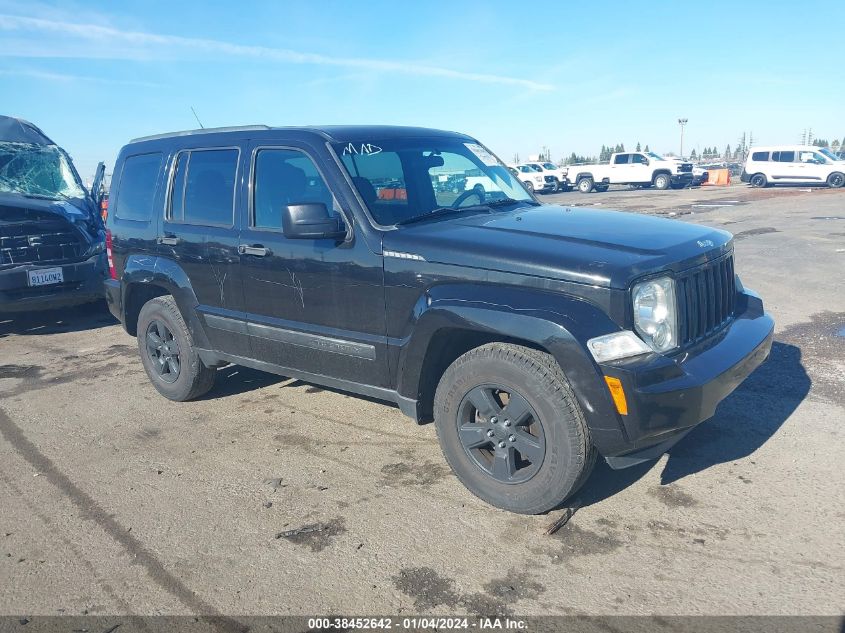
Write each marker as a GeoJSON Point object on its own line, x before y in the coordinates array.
{"type": "Point", "coordinates": [804, 164]}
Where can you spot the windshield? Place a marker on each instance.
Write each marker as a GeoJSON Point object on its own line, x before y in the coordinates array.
{"type": "Point", "coordinates": [654, 156]}
{"type": "Point", "coordinates": [404, 178]}
{"type": "Point", "coordinates": [549, 166]}
{"type": "Point", "coordinates": [37, 170]}
{"type": "Point", "coordinates": [828, 153]}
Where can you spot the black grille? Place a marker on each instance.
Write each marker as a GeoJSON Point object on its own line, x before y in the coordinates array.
{"type": "Point", "coordinates": [706, 300]}
{"type": "Point", "coordinates": [33, 243]}
{"type": "Point", "coordinates": [685, 168]}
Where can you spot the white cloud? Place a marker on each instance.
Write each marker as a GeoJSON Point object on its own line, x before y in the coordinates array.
{"type": "Point", "coordinates": [68, 78]}
{"type": "Point", "coordinates": [141, 45]}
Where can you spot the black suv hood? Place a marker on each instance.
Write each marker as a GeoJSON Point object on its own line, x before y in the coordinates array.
{"type": "Point", "coordinates": [80, 212]}
{"type": "Point", "coordinates": [592, 246]}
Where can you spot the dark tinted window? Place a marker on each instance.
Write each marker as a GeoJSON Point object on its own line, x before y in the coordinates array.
{"type": "Point", "coordinates": [620, 159]}
{"type": "Point", "coordinates": [137, 187]}
{"type": "Point", "coordinates": [761, 156]}
{"type": "Point", "coordinates": [783, 157]}
{"type": "Point", "coordinates": [284, 177]}
{"type": "Point", "coordinates": [209, 187]}
{"type": "Point", "coordinates": [638, 158]}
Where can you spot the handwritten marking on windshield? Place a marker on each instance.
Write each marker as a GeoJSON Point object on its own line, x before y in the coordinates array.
{"type": "Point", "coordinates": [365, 149]}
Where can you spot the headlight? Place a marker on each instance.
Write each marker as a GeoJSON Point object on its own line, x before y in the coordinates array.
{"type": "Point", "coordinates": [655, 313]}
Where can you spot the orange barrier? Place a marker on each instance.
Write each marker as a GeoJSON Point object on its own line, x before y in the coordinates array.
{"type": "Point", "coordinates": [393, 194]}
{"type": "Point", "coordinates": [718, 177]}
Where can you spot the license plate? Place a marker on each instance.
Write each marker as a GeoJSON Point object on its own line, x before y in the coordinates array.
{"type": "Point", "coordinates": [46, 277]}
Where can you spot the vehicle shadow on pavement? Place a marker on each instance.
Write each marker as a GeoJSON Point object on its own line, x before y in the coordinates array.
{"type": "Point", "coordinates": [744, 421]}
{"type": "Point", "coordinates": [75, 319]}
{"type": "Point", "coordinates": [237, 379]}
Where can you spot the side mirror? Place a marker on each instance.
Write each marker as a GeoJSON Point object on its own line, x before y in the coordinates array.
{"type": "Point", "coordinates": [646, 162]}
{"type": "Point", "coordinates": [311, 221]}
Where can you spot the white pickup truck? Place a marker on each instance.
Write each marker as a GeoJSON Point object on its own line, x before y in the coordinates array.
{"type": "Point", "coordinates": [631, 168]}
{"type": "Point", "coordinates": [550, 169]}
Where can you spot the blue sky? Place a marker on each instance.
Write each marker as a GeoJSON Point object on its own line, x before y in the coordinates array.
{"type": "Point", "coordinates": [570, 76]}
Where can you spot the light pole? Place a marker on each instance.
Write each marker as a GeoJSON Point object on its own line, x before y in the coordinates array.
{"type": "Point", "coordinates": [682, 123]}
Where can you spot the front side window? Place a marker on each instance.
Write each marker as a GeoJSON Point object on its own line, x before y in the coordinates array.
{"type": "Point", "coordinates": [284, 177]}
{"type": "Point", "coordinates": [203, 189]}
{"type": "Point", "coordinates": [403, 178]}
{"type": "Point", "coordinates": [814, 158]}
{"type": "Point", "coordinates": [638, 159]}
{"type": "Point", "coordinates": [136, 190]}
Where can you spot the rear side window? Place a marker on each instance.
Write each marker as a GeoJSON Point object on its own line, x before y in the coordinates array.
{"type": "Point", "coordinates": [760, 156]}
{"type": "Point", "coordinates": [621, 159]}
{"type": "Point", "coordinates": [137, 187]}
{"type": "Point", "coordinates": [203, 189]}
{"type": "Point", "coordinates": [783, 157]}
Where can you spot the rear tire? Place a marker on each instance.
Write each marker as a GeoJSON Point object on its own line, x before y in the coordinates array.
{"type": "Point", "coordinates": [585, 185]}
{"type": "Point", "coordinates": [662, 182]}
{"type": "Point", "coordinates": [758, 180]}
{"type": "Point", "coordinates": [529, 464]}
{"type": "Point", "coordinates": [168, 353]}
{"type": "Point", "coordinates": [836, 180]}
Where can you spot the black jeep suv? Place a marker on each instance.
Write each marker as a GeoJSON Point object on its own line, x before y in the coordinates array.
{"type": "Point", "coordinates": [536, 336]}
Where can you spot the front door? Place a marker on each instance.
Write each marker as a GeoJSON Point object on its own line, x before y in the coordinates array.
{"type": "Point", "coordinates": [314, 305]}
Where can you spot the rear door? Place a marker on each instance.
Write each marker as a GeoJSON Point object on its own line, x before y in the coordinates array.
{"type": "Point", "coordinates": [200, 236]}
{"type": "Point", "coordinates": [783, 166]}
{"type": "Point", "coordinates": [315, 305]}
{"type": "Point", "coordinates": [620, 168]}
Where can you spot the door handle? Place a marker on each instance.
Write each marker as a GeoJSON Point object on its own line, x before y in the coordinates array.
{"type": "Point", "coordinates": [257, 250]}
{"type": "Point", "coordinates": [169, 240]}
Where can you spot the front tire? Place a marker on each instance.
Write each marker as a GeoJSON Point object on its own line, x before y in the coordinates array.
{"type": "Point", "coordinates": [759, 181]}
{"type": "Point", "coordinates": [168, 353]}
{"type": "Point", "coordinates": [662, 182]}
{"type": "Point", "coordinates": [529, 185]}
{"type": "Point", "coordinates": [585, 185]}
{"type": "Point", "coordinates": [836, 180]}
{"type": "Point", "coordinates": [511, 428]}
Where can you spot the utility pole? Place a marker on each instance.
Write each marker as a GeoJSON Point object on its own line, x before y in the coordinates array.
{"type": "Point", "coordinates": [682, 123]}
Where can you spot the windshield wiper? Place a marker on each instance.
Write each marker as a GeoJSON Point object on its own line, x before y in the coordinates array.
{"type": "Point", "coordinates": [508, 201]}
{"type": "Point", "coordinates": [434, 213]}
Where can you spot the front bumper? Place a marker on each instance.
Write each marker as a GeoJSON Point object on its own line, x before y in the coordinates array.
{"type": "Point", "coordinates": [682, 179]}
{"type": "Point", "coordinates": [83, 283]}
{"type": "Point", "coordinates": [669, 395]}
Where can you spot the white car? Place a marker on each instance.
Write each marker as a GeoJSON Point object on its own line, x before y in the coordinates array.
{"type": "Point", "coordinates": [532, 179]}
{"type": "Point", "coordinates": [550, 169]}
{"type": "Point", "coordinates": [805, 164]}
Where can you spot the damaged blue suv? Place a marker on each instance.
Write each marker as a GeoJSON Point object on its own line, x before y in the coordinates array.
{"type": "Point", "coordinates": [536, 336]}
{"type": "Point", "coordinates": [52, 239]}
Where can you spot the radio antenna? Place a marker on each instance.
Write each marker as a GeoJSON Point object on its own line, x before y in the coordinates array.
{"type": "Point", "coordinates": [197, 118]}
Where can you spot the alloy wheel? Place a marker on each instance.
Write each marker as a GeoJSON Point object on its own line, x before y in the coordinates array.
{"type": "Point", "coordinates": [501, 433]}
{"type": "Point", "coordinates": [163, 351]}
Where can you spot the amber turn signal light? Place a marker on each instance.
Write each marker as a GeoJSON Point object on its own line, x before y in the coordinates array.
{"type": "Point", "coordinates": [614, 385]}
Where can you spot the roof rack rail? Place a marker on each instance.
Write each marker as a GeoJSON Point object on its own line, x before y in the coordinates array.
{"type": "Point", "coordinates": [233, 128]}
